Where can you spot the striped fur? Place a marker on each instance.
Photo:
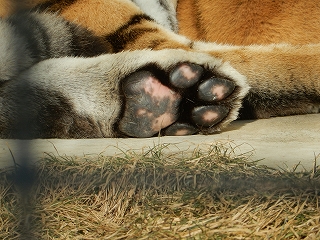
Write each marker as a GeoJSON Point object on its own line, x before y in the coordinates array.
{"type": "Point", "coordinates": [283, 77]}
{"type": "Point", "coordinates": [78, 97]}
{"type": "Point", "coordinates": [133, 29]}
{"type": "Point", "coordinates": [28, 38]}
{"type": "Point", "coordinates": [162, 11]}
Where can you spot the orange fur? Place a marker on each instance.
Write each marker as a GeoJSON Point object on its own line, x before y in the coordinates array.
{"type": "Point", "coordinates": [97, 17]}
{"type": "Point", "coordinates": [8, 7]}
{"type": "Point", "coordinates": [245, 22]}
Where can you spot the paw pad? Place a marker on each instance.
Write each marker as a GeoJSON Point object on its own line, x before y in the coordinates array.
{"type": "Point", "coordinates": [151, 107]}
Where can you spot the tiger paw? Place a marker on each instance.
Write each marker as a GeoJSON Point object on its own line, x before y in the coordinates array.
{"type": "Point", "coordinates": [186, 100]}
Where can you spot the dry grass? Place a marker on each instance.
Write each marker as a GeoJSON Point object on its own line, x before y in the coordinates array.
{"type": "Point", "coordinates": [210, 195]}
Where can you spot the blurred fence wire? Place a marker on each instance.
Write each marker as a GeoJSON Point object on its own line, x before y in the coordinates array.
{"type": "Point", "coordinates": [24, 175]}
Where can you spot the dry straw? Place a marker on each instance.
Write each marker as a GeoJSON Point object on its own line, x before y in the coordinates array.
{"type": "Point", "coordinates": [213, 194]}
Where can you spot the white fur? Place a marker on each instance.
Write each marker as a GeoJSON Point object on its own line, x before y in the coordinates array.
{"type": "Point", "coordinates": [154, 10]}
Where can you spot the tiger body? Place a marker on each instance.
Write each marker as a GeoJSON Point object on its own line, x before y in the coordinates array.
{"type": "Point", "coordinates": [274, 51]}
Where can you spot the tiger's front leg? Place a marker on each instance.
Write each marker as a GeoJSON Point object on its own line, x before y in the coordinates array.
{"type": "Point", "coordinates": [137, 94]}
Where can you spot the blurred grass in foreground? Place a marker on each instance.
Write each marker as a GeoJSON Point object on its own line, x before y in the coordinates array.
{"type": "Point", "coordinates": [212, 194]}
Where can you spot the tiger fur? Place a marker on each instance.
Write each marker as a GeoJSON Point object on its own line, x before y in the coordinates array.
{"type": "Point", "coordinates": [283, 78]}
{"type": "Point", "coordinates": [30, 38]}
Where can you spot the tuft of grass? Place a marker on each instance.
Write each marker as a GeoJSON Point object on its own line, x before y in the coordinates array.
{"type": "Point", "coordinates": [212, 194]}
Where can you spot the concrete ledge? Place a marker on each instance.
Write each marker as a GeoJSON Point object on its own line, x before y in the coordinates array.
{"type": "Point", "coordinates": [278, 142]}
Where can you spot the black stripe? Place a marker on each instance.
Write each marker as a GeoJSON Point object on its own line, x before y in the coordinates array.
{"type": "Point", "coordinates": [155, 43]}
{"type": "Point", "coordinates": [198, 17]}
{"type": "Point", "coordinates": [258, 101]}
{"type": "Point", "coordinates": [164, 4]}
{"type": "Point", "coordinates": [191, 44]}
{"type": "Point", "coordinates": [124, 35]}
{"type": "Point", "coordinates": [85, 43]}
{"type": "Point", "coordinates": [54, 5]}
{"type": "Point", "coordinates": [35, 34]}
